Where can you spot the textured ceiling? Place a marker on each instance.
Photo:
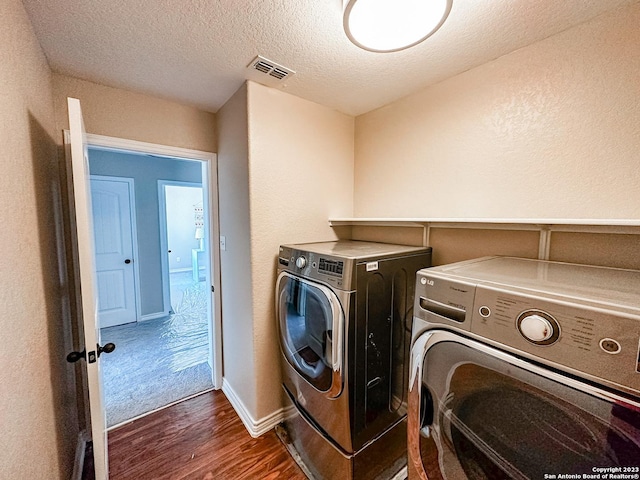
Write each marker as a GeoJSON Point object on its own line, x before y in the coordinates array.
{"type": "Point", "coordinates": [197, 51]}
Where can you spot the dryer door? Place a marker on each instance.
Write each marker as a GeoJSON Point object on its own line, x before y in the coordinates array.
{"type": "Point", "coordinates": [311, 324]}
{"type": "Point", "coordinates": [479, 413]}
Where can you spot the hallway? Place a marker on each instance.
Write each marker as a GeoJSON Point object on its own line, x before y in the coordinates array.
{"type": "Point", "coordinates": [157, 362]}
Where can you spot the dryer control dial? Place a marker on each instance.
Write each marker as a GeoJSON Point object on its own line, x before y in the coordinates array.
{"type": "Point", "coordinates": [538, 327]}
{"type": "Point", "coordinates": [301, 262]}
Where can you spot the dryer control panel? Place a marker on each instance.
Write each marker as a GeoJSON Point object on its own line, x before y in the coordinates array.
{"type": "Point", "coordinates": [595, 339]}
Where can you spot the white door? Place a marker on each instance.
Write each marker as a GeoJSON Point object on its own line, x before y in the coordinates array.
{"type": "Point", "coordinates": [86, 267]}
{"type": "Point", "coordinates": [113, 235]}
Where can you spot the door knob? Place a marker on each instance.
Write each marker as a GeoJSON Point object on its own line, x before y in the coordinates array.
{"type": "Point", "coordinates": [73, 357]}
{"type": "Point", "coordinates": [108, 348]}
{"type": "Point", "coordinates": [127, 261]}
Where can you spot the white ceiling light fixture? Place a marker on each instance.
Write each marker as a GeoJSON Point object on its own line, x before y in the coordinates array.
{"type": "Point", "coordinates": [393, 25]}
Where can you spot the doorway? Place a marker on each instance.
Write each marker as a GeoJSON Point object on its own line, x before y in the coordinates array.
{"type": "Point", "coordinates": [183, 357]}
{"type": "Point", "coordinates": [182, 238]}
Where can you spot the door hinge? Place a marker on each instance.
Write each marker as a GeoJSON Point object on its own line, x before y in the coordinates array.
{"type": "Point", "coordinates": [212, 289]}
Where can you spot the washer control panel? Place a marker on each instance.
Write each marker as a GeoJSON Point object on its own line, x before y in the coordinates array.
{"type": "Point", "coordinates": [578, 318]}
{"type": "Point", "coordinates": [602, 344]}
{"type": "Point", "coordinates": [538, 327]}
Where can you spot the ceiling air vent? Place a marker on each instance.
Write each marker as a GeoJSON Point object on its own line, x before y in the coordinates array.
{"type": "Point", "coordinates": [268, 72]}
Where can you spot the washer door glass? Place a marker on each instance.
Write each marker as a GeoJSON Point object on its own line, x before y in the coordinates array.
{"type": "Point", "coordinates": [486, 418]}
{"type": "Point", "coordinates": [310, 321]}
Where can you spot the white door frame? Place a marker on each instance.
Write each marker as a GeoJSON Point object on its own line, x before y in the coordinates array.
{"type": "Point", "coordinates": [134, 231]}
{"type": "Point", "coordinates": [164, 241]}
{"type": "Point", "coordinates": [210, 168]}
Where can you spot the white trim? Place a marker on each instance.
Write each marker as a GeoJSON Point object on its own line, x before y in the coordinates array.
{"type": "Point", "coordinates": [81, 448]}
{"type": "Point", "coordinates": [143, 148]}
{"type": "Point", "coordinates": [164, 240]}
{"type": "Point", "coordinates": [164, 248]}
{"type": "Point", "coordinates": [544, 246]}
{"type": "Point", "coordinates": [214, 276]}
{"type": "Point", "coordinates": [210, 160]}
{"type": "Point", "coordinates": [618, 225]}
{"type": "Point", "coordinates": [181, 270]}
{"type": "Point", "coordinates": [254, 427]}
{"type": "Point", "coordinates": [153, 316]}
{"type": "Point", "coordinates": [289, 411]}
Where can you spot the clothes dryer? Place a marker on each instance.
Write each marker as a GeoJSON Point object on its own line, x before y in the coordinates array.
{"type": "Point", "coordinates": [344, 312]}
{"type": "Point", "coordinates": [525, 369]}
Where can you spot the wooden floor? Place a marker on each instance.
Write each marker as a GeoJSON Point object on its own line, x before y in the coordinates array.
{"type": "Point", "coordinates": [200, 438]}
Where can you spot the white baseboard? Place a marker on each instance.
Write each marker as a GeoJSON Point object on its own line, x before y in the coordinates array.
{"type": "Point", "coordinates": [254, 427]}
{"type": "Point", "coordinates": [289, 412]}
{"type": "Point", "coordinates": [180, 270]}
{"type": "Point", "coordinates": [153, 316]}
{"type": "Point", "coordinates": [81, 447]}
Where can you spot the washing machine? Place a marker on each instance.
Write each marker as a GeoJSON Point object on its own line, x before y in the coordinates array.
{"type": "Point", "coordinates": [525, 369]}
{"type": "Point", "coordinates": [344, 311]}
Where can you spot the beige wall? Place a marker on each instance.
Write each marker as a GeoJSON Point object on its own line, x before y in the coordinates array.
{"type": "Point", "coordinates": [300, 174]}
{"type": "Point", "coordinates": [606, 249]}
{"type": "Point", "coordinates": [37, 403]}
{"type": "Point", "coordinates": [455, 244]}
{"type": "Point", "coordinates": [550, 130]}
{"type": "Point", "coordinates": [285, 167]}
{"type": "Point", "coordinates": [235, 261]}
{"type": "Point", "coordinates": [123, 114]}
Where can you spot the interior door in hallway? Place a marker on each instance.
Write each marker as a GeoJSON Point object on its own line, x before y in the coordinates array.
{"type": "Point", "coordinates": [114, 247]}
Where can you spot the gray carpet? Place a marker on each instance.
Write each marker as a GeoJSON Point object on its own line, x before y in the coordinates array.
{"type": "Point", "coordinates": [157, 362]}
